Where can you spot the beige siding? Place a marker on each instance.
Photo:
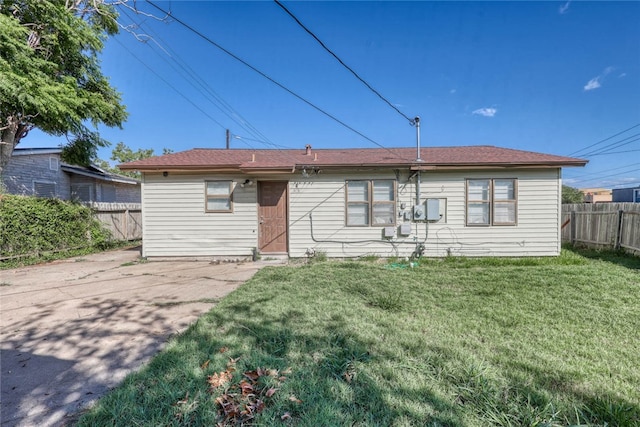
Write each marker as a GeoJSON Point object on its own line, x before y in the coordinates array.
{"type": "Point", "coordinates": [175, 223]}
{"type": "Point", "coordinates": [535, 234]}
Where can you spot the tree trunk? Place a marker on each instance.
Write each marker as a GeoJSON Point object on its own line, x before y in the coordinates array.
{"type": "Point", "coordinates": [10, 136]}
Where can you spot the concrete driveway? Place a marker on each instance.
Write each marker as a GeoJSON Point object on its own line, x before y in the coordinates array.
{"type": "Point", "coordinates": [72, 330]}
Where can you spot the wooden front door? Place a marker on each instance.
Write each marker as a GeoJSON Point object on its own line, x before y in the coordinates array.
{"type": "Point", "coordinates": [272, 216]}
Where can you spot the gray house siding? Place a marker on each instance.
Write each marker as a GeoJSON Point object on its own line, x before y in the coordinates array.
{"type": "Point", "coordinates": [24, 175]}
{"type": "Point", "coordinates": [40, 172]}
{"type": "Point", "coordinates": [625, 194]}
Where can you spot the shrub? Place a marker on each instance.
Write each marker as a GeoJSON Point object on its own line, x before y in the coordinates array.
{"type": "Point", "coordinates": [31, 225]}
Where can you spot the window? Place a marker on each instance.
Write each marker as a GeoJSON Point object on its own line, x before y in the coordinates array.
{"type": "Point", "coordinates": [371, 202]}
{"type": "Point", "coordinates": [108, 193]}
{"type": "Point", "coordinates": [53, 163]}
{"type": "Point", "coordinates": [636, 196]}
{"type": "Point", "coordinates": [82, 192]}
{"type": "Point", "coordinates": [491, 201]}
{"type": "Point", "coordinates": [44, 188]}
{"type": "Point", "coordinates": [218, 196]}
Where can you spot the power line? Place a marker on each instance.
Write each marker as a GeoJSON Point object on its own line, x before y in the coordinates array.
{"type": "Point", "coordinates": [605, 176]}
{"type": "Point", "coordinates": [204, 88]}
{"type": "Point", "coordinates": [170, 85]}
{"type": "Point", "coordinates": [615, 152]}
{"type": "Point", "coordinates": [613, 146]}
{"type": "Point", "coordinates": [411, 120]}
{"type": "Point", "coordinates": [280, 85]}
{"type": "Point", "coordinates": [604, 171]}
{"type": "Point", "coordinates": [604, 140]}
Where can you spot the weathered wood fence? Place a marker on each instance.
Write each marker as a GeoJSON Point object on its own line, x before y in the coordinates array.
{"type": "Point", "coordinates": [123, 220]}
{"type": "Point", "coordinates": [612, 225]}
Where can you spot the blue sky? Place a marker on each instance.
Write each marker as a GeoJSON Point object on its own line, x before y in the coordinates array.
{"type": "Point", "coordinates": [553, 77]}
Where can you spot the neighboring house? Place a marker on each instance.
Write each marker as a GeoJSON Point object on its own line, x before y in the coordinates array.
{"type": "Point", "coordinates": [630, 194]}
{"type": "Point", "coordinates": [475, 201]}
{"type": "Point", "coordinates": [596, 195]}
{"type": "Point", "coordinates": [40, 172]}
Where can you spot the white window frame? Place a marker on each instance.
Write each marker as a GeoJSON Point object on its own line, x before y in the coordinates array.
{"type": "Point", "coordinates": [220, 196]}
{"type": "Point", "coordinates": [370, 203]}
{"type": "Point", "coordinates": [491, 202]}
{"type": "Point", "coordinates": [54, 163]}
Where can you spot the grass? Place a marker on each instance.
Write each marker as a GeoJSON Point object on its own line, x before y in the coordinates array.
{"type": "Point", "coordinates": [451, 342]}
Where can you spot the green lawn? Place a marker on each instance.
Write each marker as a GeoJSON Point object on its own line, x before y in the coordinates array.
{"type": "Point", "coordinates": [453, 342]}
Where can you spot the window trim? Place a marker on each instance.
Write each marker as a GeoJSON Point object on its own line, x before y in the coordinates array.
{"type": "Point", "coordinates": [54, 163]}
{"type": "Point", "coordinates": [370, 202]}
{"type": "Point", "coordinates": [208, 196]}
{"type": "Point", "coordinates": [492, 203]}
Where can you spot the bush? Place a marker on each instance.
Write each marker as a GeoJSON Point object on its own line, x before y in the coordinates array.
{"type": "Point", "coordinates": [30, 225]}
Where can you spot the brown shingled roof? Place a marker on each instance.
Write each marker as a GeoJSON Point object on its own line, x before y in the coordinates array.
{"type": "Point", "coordinates": [432, 158]}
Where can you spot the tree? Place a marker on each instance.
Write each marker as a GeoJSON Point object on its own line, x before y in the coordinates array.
{"type": "Point", "coordinates": [571, 195]}
{"type": "Point", "coordinates": [121, 153]}
{"type": "Point", "coordinates": [50, 76]}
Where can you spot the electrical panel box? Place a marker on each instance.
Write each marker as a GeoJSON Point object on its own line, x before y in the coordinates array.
{"type": "Point", "coordinates": [405, 229]}
{"type": "Point", "coordinates": [389, 232]}
{"type": "Point", "coordinates": [419, 213]}
{"type": "Point", "coordinates": [433, 209]}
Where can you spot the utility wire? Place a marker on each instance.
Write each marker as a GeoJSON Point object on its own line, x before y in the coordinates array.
{"type": "Point", "coordinates": [604, 140]}
{"type": "Point", "coordinates": [411, 120]}
{"type": "Point", "coordinates": [614, 152]}
{"type": "Point", "coordinates": [596, 173]}
{"type": "Point", "coordinates": [612, 146]}
{"type": "Point", "coordinates": [205, 89]}
{"type": "Point", "coordinates": [170, 85]}
{"type": "Point", "coordinates": [605, 176]}
{"type": "Point", "coordinates": [280, 85]}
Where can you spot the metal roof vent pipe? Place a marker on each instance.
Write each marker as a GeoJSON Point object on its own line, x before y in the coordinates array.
{"type": "Point", "coordinates": [308, 149]}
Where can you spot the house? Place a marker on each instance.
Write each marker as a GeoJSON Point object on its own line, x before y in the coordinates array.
{"type": "Point", "coordinates": [41, 172]}
{"type": "Point", "coordinates": [629, 194]}
{"type": "Point", "coordinates": [596, 195]}
{"type": "Point", "coordinates": [479, 200]}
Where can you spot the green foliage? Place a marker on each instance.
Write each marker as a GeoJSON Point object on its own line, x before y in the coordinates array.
{"type": "Point", "coordinates": [50, 75]}
{"type": "Point", "coordinates": [122, 153]}
{"type": "Point", "coordinates": [30, 225]}
{"type": "Point", "coordinates": [571, 195]}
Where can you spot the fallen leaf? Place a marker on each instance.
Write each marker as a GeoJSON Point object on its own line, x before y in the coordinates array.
{"type": "Point", "coordinates": [287, 371]}
{"type": "Point", "coordinates": [223, 349]}
{"type": "Point", "coordinates": [205, 364]}
{"type": "Point", "coordinates": [219, 378]}
{"type": "Point", "coordinates": [252, 375]}
{"type": "Point", "coordinates": [282, 379]}
{"type": "Point", "coordinates": [246, 388]}
{"type": "Point", "coordinates": [272, 372]}
{"type": "Point", "coordinates": [294, 399]}
{"type": "Point", "coordinates": [285, 416]}
{"type": "Point", "coordinates": [271, 392]}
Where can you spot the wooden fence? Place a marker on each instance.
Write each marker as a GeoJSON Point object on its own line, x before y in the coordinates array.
{"type": "Point", "coordinates": [123, 220]}
{"type": "Point", "coordinates": [612, 225]}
